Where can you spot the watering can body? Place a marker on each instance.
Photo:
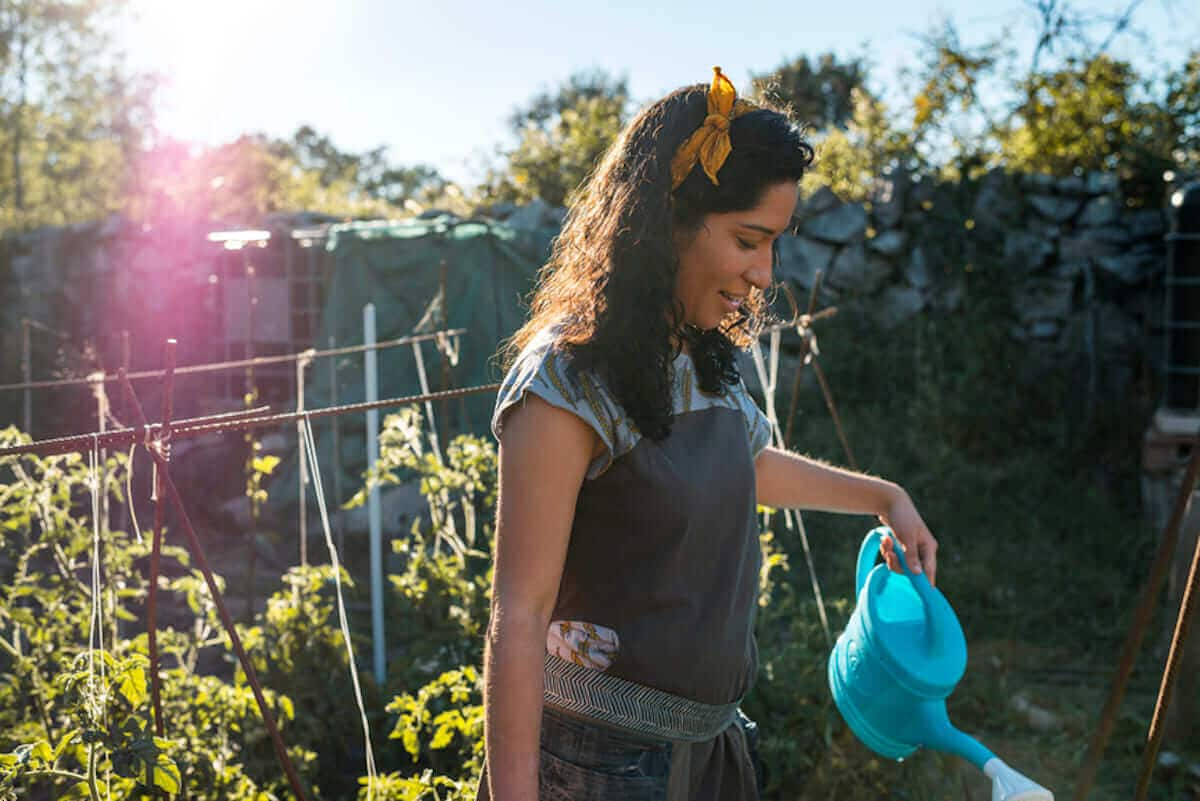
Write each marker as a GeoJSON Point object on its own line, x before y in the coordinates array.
{"type": "Point", "coordinates": [899, 657]}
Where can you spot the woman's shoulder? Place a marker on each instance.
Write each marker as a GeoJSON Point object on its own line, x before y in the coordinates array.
{"type": "Point", "coordinates": [544, 368]}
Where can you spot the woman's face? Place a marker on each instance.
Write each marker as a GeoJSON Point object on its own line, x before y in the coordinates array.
{"type": "Point", "coordinates": [729, 255]}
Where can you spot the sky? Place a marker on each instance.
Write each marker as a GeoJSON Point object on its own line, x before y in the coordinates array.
{"type": "Point", "coordinates": [435, 81]}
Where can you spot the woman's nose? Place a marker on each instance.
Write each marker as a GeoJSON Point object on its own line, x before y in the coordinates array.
{"type": "Point", "coordinates": [759, 273]}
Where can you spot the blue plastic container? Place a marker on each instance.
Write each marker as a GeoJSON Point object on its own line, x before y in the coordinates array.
{"type": "Point", "coordinates": [901, 654]}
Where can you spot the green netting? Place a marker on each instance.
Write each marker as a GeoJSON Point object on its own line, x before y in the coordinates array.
{"type": "Point", "coordinates": [488, 270]}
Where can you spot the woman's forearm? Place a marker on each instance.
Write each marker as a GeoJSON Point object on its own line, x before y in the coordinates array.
{"type": "Point", "coordinates": [514, 660]}
{"type": "Point", "coordinates": [789, 480]}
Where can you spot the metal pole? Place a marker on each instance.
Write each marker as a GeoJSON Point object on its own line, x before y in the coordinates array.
{"type": "Point", "coordinates": [160, 505]}
{"type": "Point", "coordinates": [336, 426]}
{"type": "Point", "coordinates": [442, 412]}
{"type": "Point", "coordinates": [1167, 686]}
{"type": "Point", "coordinates": [374, 511]}
{"type": "Point", "coordinates": [125, 359]}
{"type": "Point", "coordinates": [27, 374]}
{"type": "Point", "coordinates": [300, 454]}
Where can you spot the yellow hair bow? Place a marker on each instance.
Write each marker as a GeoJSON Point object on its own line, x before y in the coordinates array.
{"type": "Point", "coordinates": [710, 143]}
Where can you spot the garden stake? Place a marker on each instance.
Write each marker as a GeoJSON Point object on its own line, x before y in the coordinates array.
{"type": "Point", "coordinates": [301, 364]}
{"type": "Point", "coordinates": [1137, 629]}
{"type": "Point", "coordinates": [1174, 657]}
{"type": "Point", "coordinates": [27, 375]}
{"type": "Point", "coordinates": [833, 412]}
{"type": "Point", "coordinates": [812, 307]}
{"type": "Point", "coordinates": [165, 480]}
{"type": "Point", "coordinates": [168, 392]}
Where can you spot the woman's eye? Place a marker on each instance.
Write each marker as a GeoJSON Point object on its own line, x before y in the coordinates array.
{"type": "Point", "coordinates": [744, 245]}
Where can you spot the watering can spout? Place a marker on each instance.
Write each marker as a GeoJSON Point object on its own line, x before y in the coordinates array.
{"type": "Point", "coordinates": [941, 735]}
{"type": "Point", "coordinates": [1009, 785]}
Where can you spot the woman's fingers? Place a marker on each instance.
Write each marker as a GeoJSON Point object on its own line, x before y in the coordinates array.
{"type": "Point", "coordinates": [922, 558]}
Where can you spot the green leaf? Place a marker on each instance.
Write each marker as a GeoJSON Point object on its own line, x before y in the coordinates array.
{"type": "Point", "coordinates": [442, 737]}
{"type": "Point", "coordinates": [411, 744]}
{"type": "Point", "coordinates": [133, 686]}
{"type": "Point", "coordinates": [166, 774]}
{"type": "Point", "coordinates": [41, 751]}
{"type": "Point", "coordinates": [264, 464]}
{"type": "Point", "coordinates": [63, 743]}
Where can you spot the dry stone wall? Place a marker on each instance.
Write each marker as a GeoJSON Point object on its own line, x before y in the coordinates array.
{"type": "Point", "coordinates": [1081, 270]}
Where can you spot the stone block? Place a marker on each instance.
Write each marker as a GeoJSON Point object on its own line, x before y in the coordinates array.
{"type": "Point", "coordinates": [889, 243]}
{"type": "Point", "coordinates": [841, 224]}
{"type": "Point", "coordinates": [1076, 247]}
{"type": "Point", "coordinates": [801, 258]}
{"type": "Point", "coordinates": [854, 269]}
{"type": "Point", "coordinates": [1027, 250]}
{"type": "Point", "coordinates": [1043, 299]}
{"type": "Point", "coordinates": [1054, 207]}
{"type": "Point", "coordinates": [898, 304]}
{"type": "Point", "coordinates": [1146, 223]}
{"type": "Point", "coordinates": [818, 202]}
{"type": "Point", "coordinates": [1099, 211]}
{"type": "Point", "coordinates": [1102, 183]}
{"type": "Point", "coordinates": [1071, 185]}
{"type": "Point", "coordinates": [917, 269]}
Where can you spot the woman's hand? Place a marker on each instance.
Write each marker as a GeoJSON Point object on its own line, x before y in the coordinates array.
{"type": "Point", "coordinates": [920, 548]}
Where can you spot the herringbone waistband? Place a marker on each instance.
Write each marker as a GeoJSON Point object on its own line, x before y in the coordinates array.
{"type": "Point", "coordinates": [619, 702]}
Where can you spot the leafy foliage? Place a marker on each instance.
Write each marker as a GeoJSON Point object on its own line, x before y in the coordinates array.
{"type": "Point", "coordinates": [71, 115]}
{"type": "Point", "coordinates": [561, 137]}
{"type": "Point", "coordinates": [440, 593]}
{"type": "Point", "coordinates": [819, 92]}
{"type": "Point", "coordinates": [1088, 116]}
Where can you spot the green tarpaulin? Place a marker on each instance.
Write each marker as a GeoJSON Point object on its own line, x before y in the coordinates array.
{"type": "Point", "coordinates": [486, 270]}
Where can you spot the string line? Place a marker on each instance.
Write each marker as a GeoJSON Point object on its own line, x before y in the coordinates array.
{"type": "Point", "coordinates": [309, 452]}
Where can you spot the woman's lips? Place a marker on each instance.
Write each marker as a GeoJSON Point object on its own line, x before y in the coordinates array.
{"type": "Point", "coordinates": [732, 302]}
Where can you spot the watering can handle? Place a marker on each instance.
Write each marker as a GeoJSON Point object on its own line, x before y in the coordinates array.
{"type": "Point", "coordinates": [866, 563]}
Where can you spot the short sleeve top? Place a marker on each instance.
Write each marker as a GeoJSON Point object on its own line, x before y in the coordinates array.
{"type": "Point", "coordinates": [543, 370]}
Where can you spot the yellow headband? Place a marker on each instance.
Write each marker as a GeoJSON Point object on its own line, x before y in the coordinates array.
{"type": "Point", "coordinates": [710, 143]}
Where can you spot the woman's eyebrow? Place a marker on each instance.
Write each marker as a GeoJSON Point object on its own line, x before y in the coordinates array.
{"type": "Point", "coordinates": [764, 229]}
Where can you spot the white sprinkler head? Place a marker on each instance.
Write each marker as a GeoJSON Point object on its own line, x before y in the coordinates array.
{"type": "Point", "coordinates": [1009, 785]}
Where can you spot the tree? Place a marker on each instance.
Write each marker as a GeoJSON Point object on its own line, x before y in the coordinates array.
{"type": "Point", "coordinates": [367, 177]}
{"type": "Point", "coordinates": [849, 161]}
{"type": "Point", "coordinates": [1093, 114]}
{"type": "Point", "coordinates": [819, 91]}
{"type": "Point", "coordinates": [70, 114]}
{"type": "Point", "coordinates": [562, 134]}
{"type": "Point", "coordinates": [1183, 106]}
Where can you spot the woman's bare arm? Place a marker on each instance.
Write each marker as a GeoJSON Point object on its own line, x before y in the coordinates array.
{"type": "Point", "coordinates": [544, 454]}
{"type": "Point", "coordinates": [788, 480]}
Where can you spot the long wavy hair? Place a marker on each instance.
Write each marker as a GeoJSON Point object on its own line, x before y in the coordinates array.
{"type": "Point", "coordinates": [609, 285]}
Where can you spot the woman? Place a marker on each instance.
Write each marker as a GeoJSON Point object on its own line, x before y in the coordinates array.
{"type": "Point", "coordinates": [631, 462]}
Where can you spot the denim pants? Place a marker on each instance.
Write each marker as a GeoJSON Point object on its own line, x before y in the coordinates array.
{"type": "Point", "coordinates": [583, 760]}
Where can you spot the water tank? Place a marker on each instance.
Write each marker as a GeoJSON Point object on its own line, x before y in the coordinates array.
{"type": "Point", "coordinates": [1182, 319]}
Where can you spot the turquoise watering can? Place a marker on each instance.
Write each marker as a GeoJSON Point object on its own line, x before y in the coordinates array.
{"type": "Point", "coordinates": [899, 658]}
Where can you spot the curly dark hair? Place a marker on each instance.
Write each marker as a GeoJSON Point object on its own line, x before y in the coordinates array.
{"type": "Point", "coordinates": [609, 284]}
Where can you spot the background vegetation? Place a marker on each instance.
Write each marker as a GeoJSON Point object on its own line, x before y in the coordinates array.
{"type": "Point", "coordinates": [78, 139]}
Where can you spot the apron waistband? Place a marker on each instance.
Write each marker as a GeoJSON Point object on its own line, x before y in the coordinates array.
{"type": "Point", "coordinates": [619, 702]}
